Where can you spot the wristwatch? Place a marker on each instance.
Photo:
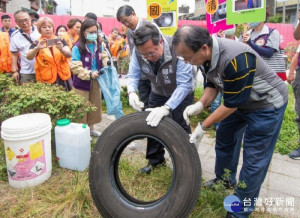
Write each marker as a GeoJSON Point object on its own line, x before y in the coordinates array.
{"type": "Point", "coordinates": [203, 127]}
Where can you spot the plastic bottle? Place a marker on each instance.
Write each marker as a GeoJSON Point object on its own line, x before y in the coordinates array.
{"type": "Point", "coordinates": [73, 145]}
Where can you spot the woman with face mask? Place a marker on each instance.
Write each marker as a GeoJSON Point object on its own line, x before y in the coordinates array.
{"type": "Point", "coordinates": [85, 65]}
{"type": "Point", "coordinates": [266, 41]}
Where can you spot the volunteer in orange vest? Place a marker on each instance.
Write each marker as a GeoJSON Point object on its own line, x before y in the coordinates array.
{"type": "Point", "coordinates": [116, 44]}
{"type": "Point", "coordinates": [51, 55]}
{"type": "Point", "coordinates": [72, 35]}
{"type": "Point", "coordinates": [5, 54]}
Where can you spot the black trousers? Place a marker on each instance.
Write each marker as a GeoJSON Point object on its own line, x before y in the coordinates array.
{"type": "Point", "coordinates": [155, 151]}
{"type": "Point", "coordinates": [144, 88]}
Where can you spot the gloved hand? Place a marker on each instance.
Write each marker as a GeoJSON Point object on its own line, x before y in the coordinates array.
{"type": "Point", "coordinates": [156, 115]}
{"type": "Point", "coordinates": [134, 101]}
{"type": "Point", "coordinates": [197, 135]}
{"type": "Point", "coordinates": [193, 109]}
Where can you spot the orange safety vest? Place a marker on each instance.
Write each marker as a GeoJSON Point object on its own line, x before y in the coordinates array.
{"type": "Point", "coordinates": [66, 36]}
{"type": "Point", "coordinates": [5, 54]}
{"type": "Point", "coordinates": [115, 46]}
{"type": "Point", "coordinates": [50, 62]}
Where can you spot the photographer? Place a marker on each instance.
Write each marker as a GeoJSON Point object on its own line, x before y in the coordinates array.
{"type": "Point", "coordinates": [51, 55]}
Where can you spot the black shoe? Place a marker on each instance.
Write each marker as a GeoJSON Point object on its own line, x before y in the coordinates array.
{"type": "Point", "coordinates": [147, 169]}
{"type": "Point", "coordinates": [230, 215]}
{"type": "Point", "coordinates": [295, 154]}
{"type": "Point", "coordinates": [210, 184]}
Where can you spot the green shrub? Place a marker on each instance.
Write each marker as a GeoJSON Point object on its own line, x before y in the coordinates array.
{"type": "Point", "coordinates": [5, 82]}
{"type": "Point", "coordinates": [40, 98]}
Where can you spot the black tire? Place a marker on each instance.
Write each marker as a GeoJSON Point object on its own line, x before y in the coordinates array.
{"type": "Point", "coordinates": [107, 192]}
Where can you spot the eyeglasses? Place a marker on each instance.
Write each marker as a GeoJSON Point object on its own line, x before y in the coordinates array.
{"type": "Point", "coordinates": [127, 20]}
{"type": "Point", "coordinates": [23, 21]}
{"type": "Point", "coordinates": [188, 60]}
{"type": "Point", "coordinates": [150, 54]}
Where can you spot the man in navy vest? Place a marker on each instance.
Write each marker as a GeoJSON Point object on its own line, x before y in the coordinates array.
{"type": "Point", "coordinates": [255, 98]}
{"type": "Point", "coordinates": [171, 84]}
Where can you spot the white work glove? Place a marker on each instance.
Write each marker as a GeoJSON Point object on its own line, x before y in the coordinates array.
{"type": "Point", "coordinates": [197, 136]}
{"type": "Point", "coordinates": [156, 115]}
{"type": "Point", "coordinates": [135, 102]}
{"type": "Point", "coordinates": [193, 109]}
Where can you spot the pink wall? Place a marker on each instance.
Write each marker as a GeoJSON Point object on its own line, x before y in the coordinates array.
{"type": "Point", "coordinates": [285, 30]}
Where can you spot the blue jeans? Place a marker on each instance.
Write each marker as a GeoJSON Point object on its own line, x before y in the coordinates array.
{"type": "Point", "coordinates": [261, 129]}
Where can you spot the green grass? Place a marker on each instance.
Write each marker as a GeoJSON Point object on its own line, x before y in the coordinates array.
{"type": "Point", "coordinates": [66, 193]}
{"type": "Point", "coordinates": [288, 137]}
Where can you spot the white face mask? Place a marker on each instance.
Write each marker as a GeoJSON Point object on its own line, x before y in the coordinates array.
{"type": "Point", "coordinates": [253, 25]}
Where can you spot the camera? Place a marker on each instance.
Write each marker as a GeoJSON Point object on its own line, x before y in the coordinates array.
{"type": "Point", "coordinates": [51, 42]}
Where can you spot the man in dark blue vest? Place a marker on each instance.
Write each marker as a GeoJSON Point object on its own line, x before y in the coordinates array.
{"type": "Point", "coordinates": [154, 58]}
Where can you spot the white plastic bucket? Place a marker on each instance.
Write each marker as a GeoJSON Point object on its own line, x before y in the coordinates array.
{"type": "Point", "coordinates": [73, 145]}
{"type": "Point", "coordinates": [27, 143]}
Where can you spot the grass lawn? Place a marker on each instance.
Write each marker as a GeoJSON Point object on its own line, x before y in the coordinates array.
{"type": "Point", "coordinates": [66, 193]}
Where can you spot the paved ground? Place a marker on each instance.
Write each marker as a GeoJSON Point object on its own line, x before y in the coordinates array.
{"type": "Point", "coordinates": [280, 193]}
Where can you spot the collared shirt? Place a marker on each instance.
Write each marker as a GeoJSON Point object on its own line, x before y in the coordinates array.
{"type": "Point", "coordinates": [183, 80]}
{"type": "Point", "coordinates": [18, 43]}
{"type": "Point", "coordinates": [11, 30]}
{"type": "Point", "coordinates": [130, 33]}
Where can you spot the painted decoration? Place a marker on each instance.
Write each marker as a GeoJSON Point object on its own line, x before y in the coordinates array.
{"type": "Point", "coordinates": [216, 16]}
{"type": "Point", "coordinates": [246, 11]}
{"type": "Point", "coordinates": [164, 14]}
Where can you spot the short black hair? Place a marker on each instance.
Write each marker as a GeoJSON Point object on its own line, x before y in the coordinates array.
{"type": "Point", "coordinates": [125, 10]}
{"type": "Point", "coordinates": [145, 33]}
{"type": "Point", "coordinates": [194, 37]}
{"type": "Point", "coordinates": [34, 20]}
{"type": "Point", "coordinates": [60, 26]}
{"type": "Point", "coordinates": [34, 14]}
{"type": "Point", "coordinates": [5, 16]}
{"type": "Point", "coordinates": [91, 15]}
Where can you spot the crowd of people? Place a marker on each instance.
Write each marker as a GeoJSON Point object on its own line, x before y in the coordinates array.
{"type": "Point", "coordinates": [248, 73]}
{"type": "Point", "coordinates": [70, 56]}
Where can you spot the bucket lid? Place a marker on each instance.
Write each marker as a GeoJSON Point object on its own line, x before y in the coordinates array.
{"type": "Point", "coordinates": [63, 122]}
{"type": "Point", "coordinates": [25, 126]}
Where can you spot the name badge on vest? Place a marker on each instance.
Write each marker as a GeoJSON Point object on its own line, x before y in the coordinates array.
{"type": "Point", "coordinates": [260, 42]}
{"type": "Point", "coordinates": [86, 59]}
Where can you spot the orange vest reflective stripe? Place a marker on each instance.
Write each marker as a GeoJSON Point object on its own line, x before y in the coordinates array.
{"type": "Point", "coordinates": [5, 54]}
{"type": "Point", "coordinates": [50, 62]}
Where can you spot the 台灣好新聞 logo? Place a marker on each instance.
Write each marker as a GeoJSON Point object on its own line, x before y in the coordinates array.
{"type": "Point", "coordinates": [232, 203]}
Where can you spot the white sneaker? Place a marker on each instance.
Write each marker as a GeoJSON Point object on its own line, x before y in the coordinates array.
{"type": "Point", "coordinates": [95, 133]}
